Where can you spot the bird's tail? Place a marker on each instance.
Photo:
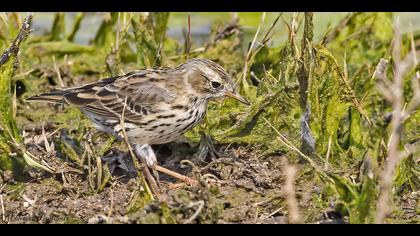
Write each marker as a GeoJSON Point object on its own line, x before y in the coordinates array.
{"type": "Point", "coordinates": [51, 97]}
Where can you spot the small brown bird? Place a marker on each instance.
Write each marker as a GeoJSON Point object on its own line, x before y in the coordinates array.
{"type": "Point", "coordinates": [157, 105]}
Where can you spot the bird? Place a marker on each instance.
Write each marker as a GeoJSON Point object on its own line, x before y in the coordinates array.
{"type": "Point", "coordinates": [150, 106]}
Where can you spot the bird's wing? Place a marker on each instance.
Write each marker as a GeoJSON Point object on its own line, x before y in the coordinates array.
{"type": "Point", "coordinates": [136, 95]}
{"type": "Point", "coordinates": [137, 92]}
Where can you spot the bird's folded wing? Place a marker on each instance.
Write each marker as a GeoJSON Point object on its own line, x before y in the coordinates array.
{"type": "Point", "coordinates": [135, 95]}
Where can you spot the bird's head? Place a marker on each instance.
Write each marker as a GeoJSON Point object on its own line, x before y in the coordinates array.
{"type": "Point", "coordinates": [210, 81]}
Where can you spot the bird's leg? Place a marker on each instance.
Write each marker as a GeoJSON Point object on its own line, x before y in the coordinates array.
{"type": "Point", "coordinates": [207, 148]}
{"type": "Point", "coordinates": [146, 152]}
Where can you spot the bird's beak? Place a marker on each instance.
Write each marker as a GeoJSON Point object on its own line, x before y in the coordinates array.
{"type": "Point", "coordinates": [237, 97]}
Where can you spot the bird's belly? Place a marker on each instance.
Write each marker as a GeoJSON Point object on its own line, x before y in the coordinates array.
{"type": "Point", "coordinates": [160, 128]}
{"type": "Point", "coordinates": [166, 130]}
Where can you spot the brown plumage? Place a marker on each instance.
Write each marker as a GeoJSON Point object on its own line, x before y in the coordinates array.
{"type": "Point", "coordinates": [160, 104]}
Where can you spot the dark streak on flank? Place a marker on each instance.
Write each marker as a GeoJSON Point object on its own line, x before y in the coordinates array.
{"type": "Point", "coordinates": [164, 117]}
{"type": "Point", "coordinates": [182, 120]}
{"type": "Point", "coordinates": [192, 123]}
{"type": "Point", "coordinates": [145, 123]}
{"type": "Point", "coordinates": [180, 107]}
{"type": "Point", "coordinates": [155, 79]}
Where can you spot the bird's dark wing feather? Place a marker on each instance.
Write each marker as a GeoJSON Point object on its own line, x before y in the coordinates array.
{"type": "Point", "coordinates": [107, 98]}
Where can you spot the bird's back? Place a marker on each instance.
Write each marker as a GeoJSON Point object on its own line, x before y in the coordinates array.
{"type": "Point", "coordinates": [154, 109]}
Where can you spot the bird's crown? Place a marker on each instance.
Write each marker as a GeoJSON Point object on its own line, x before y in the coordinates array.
{"type": "Point", "coordinates": [209, 79]}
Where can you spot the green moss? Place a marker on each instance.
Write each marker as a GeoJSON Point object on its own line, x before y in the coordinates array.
{"type": "Point", "coordinates": [138, 202]}
{"type": "Point", "coordinates": [9, 131]}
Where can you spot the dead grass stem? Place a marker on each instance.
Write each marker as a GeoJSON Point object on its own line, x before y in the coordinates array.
{"type": "Point", "coordinates": [393, 92]}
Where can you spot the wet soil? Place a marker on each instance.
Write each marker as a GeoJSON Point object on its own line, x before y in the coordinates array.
{"type": "Point", "coordinates": [238, 186]}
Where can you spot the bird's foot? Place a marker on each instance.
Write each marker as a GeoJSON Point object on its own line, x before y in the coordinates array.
{"type": "Point", "coordinates": [207, 180]}
{"type": "Point", "coordinates": [185, 179]}
{"type": "Point", "coordinates": [146, 155]}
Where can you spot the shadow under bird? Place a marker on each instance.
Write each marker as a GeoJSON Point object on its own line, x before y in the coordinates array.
{"type": "Point", "coordinates": [156, 105]}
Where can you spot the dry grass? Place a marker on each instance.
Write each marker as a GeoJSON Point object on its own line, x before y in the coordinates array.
{"type": "Point", "coordinates": [393, 92]}
{"type": "Point", "coordinates": [289, 192]}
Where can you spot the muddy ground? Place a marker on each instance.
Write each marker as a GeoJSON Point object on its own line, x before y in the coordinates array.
{"type": "Point", "coordinates": [247, 190]}
{"type": "Point", "coordinates": [239, 186]}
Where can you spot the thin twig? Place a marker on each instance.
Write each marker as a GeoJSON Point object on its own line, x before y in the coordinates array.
{"type": "Point", "coordinates": [22, 35]}
{"type": "Point", "coordinates": [327, 156]}
{"type": "Point", "coordinates": [289, 192]}
{"type": "Point", "coordinates": [415, 84]}
{"type": "Point", "coordinates": [24, 74]}
{"type": "Point", "coordinates": [99, 169]}
{"type": "Point", "coordinates": [393, 92]}
{"type": "Point", "coordinates": [90, 179]}
{"type": "Point", "coordinates": [288, 144]}
{"type": "Point", "coordinates": [270, 32]}
{"type": "Point", "coordinates": [189, 37]}
{"type": "Point", "coordinates": [354, 99]}
{"type": "Point", "coordinates": [264, 217]}
{"type": "Point", "coordinates": [337, 29]}
{"type": "Point", "coordinates": [197, 212]}
{"type": "Point", "coordinates": [133, 156]}
{"type": "Point", "coordinates": [14, 103]}
{"type": "Point", "coordinates": [57, 71]}
{"type": "Point", "coordinates": [248, 55]}
{"type": "Point", "coordinates": [293, 33]}
{"type": "Point", "coordinates": [3, 211]}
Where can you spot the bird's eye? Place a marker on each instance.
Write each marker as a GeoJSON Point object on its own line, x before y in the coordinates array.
{"type": "Point", "coordinates": [215, 84]}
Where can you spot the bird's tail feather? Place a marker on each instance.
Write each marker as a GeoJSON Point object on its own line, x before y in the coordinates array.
{"type": "Point", "coordinates": [52, 97]}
